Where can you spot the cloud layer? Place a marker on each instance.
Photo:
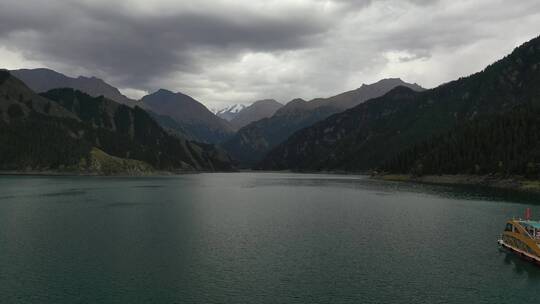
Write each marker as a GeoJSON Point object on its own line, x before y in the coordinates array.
{"type": "Point", "coordinates": [232, 51]}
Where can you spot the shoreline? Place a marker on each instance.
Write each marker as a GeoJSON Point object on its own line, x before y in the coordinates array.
{"type": "Point", "coordinates": [97, 174]}
{"type": "Point", "coordinates": [518, 183]}
{"type": "Point", "coordinates": [67, 173]}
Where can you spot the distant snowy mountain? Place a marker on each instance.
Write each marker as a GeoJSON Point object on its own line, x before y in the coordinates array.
{"type": "Point", "coordinates": [229, 112]}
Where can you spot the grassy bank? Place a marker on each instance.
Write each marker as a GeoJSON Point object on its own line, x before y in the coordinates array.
{"type": "Point", "coordinates": [514, 182]}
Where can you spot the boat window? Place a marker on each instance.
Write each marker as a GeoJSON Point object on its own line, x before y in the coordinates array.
{"type": "Point", "coordinates": [508, 227]}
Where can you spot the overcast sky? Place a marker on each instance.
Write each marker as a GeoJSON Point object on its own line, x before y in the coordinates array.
{"type": "Point", "coordinates": [225, 51]}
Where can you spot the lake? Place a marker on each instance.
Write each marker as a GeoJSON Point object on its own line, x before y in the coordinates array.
{"type": "Point", "coordinates": [257, 238]}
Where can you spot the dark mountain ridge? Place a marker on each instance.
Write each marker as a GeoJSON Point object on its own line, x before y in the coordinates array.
{"type": "Point", "coordinates": [42, 80]}
{"type": "Point", "coordinates": [178, 113]}
{"type": "Point", "coordinates": [18, 99]}
{"type": "Point", "coordinates": [258, 110]}
{"type": "Point", "coordinates": [252, 142]}
{"type": "Point", "coordinates": [190, 115]}
{"type": "Point", "coordinates": [67, 130]}
{"type": "Point", "coordinates": [372, 133]}
{"type": "Point", "coordinates": [351, 98]}
{"type": "Point", "coordinates": [504, 144]}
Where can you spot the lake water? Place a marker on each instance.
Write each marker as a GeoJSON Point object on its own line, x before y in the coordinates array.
{"type": "Point", "coordinates": [257, 238]}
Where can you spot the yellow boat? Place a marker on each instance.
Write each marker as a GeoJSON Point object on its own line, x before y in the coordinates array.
{"type": "Point", "coordinates": [523, 238]}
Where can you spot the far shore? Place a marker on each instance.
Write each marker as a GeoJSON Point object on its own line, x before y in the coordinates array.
{"type": "Point", "coordinates": [101, 174]}
{"type": "Point", "coordinates": [513, 182]}
{"type": "Point", "coordinates": [518, 183]}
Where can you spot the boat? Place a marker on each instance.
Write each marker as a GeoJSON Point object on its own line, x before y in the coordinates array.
{"type": "Point", "coordinates": [522, 236]}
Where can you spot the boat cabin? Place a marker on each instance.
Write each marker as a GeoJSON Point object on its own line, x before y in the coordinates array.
{"type": "Point", "coordinates": [522, 237]}
{"type": "Point", "coordinates": [532, 228]}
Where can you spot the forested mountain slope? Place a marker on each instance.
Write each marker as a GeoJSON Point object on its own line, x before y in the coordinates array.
{"type": "Point", "coordinates": [62, 130]}
{"type": "Point", "coordinates": [252, 142]}
{"type": "Point", "coordinates": [372, 133]}
{"type": "Point", "coordinates": [191, 116]}
{"type": "Point", "coordinates": [504, 144]}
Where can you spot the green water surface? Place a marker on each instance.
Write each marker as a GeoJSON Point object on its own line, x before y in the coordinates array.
{"type": "Point", "coordinates": [257, 238]}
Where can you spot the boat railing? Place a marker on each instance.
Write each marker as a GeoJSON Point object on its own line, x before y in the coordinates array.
{"type": "Point", "coordinates": [535, 233]}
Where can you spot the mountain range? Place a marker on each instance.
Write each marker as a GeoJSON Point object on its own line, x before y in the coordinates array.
{"type": "Point", "coordinates": [68, 130]}
{"type": "Point", "coordinates": [251, 143]}
{"type": "Point", "coordinates": [191, 116]}
{"type": "Point", "coordinates": [485, 123]}
{"type": "Point", "coordinates": [239, 115]}
{"type": "Point", "coordinates": [256, 111]}
{"type": "Point", "coordinates": [372, 134]}
{"type": "Point", "coordinates": [42, 80]}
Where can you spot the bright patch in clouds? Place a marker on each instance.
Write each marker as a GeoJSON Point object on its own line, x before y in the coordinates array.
{"type": "Point", "coordinates": [11, 60]}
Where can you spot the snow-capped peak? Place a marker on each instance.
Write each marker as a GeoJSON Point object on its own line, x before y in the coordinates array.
{"type": "Point", "coordinates": [235, 108]}
{"type": "Point", "coordinates": [229, 111]}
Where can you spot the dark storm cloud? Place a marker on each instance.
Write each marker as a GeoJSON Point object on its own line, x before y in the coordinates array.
{"type": "Point", "coordinates": [137, 48]}
{"type": "Point", "coordinates": [239, 51]}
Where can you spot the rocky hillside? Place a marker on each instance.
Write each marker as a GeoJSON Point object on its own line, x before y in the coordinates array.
{"type": "Point", "coordinates": [256, 111]}
{"type": "Point", "coordinates": [192, 116]}
{"type": "Point", "coordinates": [373, 133]}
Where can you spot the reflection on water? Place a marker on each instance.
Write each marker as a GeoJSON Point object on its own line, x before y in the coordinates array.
{"type": "Point", "coordinates": [148, 186]}
{"type": "Point", "coordinates": [257, 238]}
{"type": "Point", "coordinates": [521, 266]}
{"type": "Point", "coordinates": [65, 193]}
{"type": "Point", "coordinates": [122, 204]}
{"type": "Point", "coordinates": [468, 192]}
